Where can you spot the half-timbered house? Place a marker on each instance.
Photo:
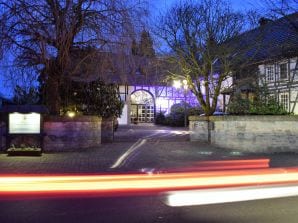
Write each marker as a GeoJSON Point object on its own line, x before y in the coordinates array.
{"type": "Point", "coordinates": [271, 56]}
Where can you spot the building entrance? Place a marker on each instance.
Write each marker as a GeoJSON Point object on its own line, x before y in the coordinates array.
{"type": "Point", "coordinates": [142, 107]}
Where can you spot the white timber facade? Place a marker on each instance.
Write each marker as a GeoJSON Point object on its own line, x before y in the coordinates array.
{"type": "Point", "coordinates": [281, 78]}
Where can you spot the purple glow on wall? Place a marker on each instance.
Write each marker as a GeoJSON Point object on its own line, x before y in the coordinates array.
{"type": "Point", "coordinates": [162, 102]}
{"type": "Point", "coordinates": [166, 96]}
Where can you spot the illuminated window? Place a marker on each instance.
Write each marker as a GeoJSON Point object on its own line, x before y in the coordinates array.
{"type": "Point", "coordinates": [270, 73]}
{"type": "Point", "coordinates": [284, 101]}
{"type": "Point", "coordinates": [283, 69]}
{"type": "Point", "coordinates": [141, 97]}
{"type": "Point", "coordinates": [142, 107]}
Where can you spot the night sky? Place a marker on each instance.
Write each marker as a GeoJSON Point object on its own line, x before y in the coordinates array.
{"type": "Point", "coordinates": [156, 6]}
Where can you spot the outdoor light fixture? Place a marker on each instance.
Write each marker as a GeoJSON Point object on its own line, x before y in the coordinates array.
{"type": "Point", "coordinates": [177, 84]}
{"type": "Point", "coordinates": [71, 114]}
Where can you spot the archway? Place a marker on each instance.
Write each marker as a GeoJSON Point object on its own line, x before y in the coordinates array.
{"type": "Point", "coordinates": [142, 106]}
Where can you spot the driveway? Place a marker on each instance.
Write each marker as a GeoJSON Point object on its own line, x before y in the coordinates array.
{"type": "Point", "coordinates": [135, 148]}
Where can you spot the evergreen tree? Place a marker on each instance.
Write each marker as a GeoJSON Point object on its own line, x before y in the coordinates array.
{"type": "Point", "coordinates": [26, 97]}
{"type": "Point", "coordinates": [96, 98]}
{"type": "Point", "coordinates": [134, 48]}
{"type": "Point", "coordinates": [146, 45]}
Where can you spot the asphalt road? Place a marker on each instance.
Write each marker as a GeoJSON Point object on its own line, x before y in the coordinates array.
{"type": "Point", "coordinates": [145, 209]}
{"type": "Point", "coordinates": [146, 147]}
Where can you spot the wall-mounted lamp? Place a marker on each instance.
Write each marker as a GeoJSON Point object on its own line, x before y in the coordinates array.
{"type": "Point", "coordinates": [71, 114]}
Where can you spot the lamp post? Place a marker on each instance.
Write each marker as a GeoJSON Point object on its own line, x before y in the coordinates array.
{"type": "Point", "coordinates": [178, 84]}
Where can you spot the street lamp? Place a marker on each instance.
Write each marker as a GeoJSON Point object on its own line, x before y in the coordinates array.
{"type": "Point", "coordinates": [178, 84]}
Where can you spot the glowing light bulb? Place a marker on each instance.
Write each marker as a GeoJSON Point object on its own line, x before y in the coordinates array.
{"type": "Point", "coordinates": [71, 114]}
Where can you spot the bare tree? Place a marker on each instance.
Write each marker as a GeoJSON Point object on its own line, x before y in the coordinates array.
{"type": "Point", "coordinates": [197, 32]}
{"type": "Point", "coordinates": [284, 8]}
{"type": "Point", "coordinates": [274, 9]}
{"type": "Point", "coordinates": [46, 34]}
{"type": "Point", "coordinates": [280, 8]}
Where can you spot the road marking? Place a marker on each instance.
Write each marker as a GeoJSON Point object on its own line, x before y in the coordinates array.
{"type": "Point", "coordinates": [131, 151]}
{"type": "Point", "coordinates": [122, 159]}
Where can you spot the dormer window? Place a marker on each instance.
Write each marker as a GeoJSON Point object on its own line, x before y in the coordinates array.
{"type": "Point", "coordinates": [139, 71]}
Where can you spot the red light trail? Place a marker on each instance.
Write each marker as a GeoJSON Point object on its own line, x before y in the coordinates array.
{"type": "Point", "coordinates": [135, 184]}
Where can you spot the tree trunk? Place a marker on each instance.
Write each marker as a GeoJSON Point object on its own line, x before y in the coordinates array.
{"type": "Point", "coordinates": [53, 99]}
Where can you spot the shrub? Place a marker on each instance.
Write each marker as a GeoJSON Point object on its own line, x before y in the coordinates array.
{"type": "Point", "coordinates": [259, 106]}
{"type": "Point", "coordinates": [176, 119]}
{"type": "Point", "coordinates": [160, 118]}
{"type": "Point", "coordinates": [238, 106]}
{"type": "Point", "coordinates": [195, 111]}
{"type": "Point", "coordinates": [270, 107]}
{"type": "Point", "coordinates": [177, 114]}
{"type": "Point", "coordinates": [96, 98]}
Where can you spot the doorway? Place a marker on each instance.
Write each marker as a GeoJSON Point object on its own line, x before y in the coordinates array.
{"type": "Point", "coordinates": [142, 107]}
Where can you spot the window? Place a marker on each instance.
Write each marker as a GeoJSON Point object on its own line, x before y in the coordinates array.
{"type": "Point", "coordinates": [270, 73]}
{"type": "Point", "coordinates": [284, 101]}
{"type": "Point", "coordinates": [283, 71]}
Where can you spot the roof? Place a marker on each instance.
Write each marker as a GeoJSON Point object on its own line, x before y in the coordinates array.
{"type": "Point", "coordinates": [273, 40]}
{"type": "Point", "coordinates": [123, 69]}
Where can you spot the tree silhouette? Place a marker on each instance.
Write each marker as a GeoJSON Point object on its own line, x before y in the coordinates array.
{"type": "Point", "coordinates": [146, 45]}
{"type": "Point", "coordinates": [42, 34]}
{"type": "Point", "coordinates": [196, 33]}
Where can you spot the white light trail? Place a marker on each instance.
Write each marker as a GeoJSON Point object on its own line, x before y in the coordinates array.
{"type": "Point", "coordinates": [226, 195]}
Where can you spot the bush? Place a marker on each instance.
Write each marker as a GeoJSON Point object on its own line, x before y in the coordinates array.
{"type": "Point", "coordinates": [96, 98]}
{"type": "Point", "coordinates": [270, 107]}
{"type": "Point", "coordinates": [259, 106]}
{"type": "Point", "coordinates": [177, 115]}
{"type": "Point", "coordinates": [195, 111]}
{"type": "Point", "coordinates": [160, 118]}
{"type": "Point", "coordinates": [238, 106]}
{"type": "Point", "coordinates": [176, 119]}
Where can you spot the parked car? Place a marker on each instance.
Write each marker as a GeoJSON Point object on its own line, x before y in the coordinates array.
{"type": "Point", "coordinates": [217, 113]}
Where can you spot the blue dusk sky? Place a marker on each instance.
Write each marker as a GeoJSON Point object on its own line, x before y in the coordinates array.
{"type": "Point", "coordinates": [236, 4]}
{"type": "Point", "coordinates": [156, 7]}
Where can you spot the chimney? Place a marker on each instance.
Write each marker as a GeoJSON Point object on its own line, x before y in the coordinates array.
{"type": "Point", "coordinates": [263, 21]}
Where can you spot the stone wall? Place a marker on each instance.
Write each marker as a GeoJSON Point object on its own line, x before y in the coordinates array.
{"type": "Point", "coordinates": [248, 133]}
{"type": "Point", "coordinates": [69, 134]}
{"type": "Point", "coordinates": [2, 136]}
{"type": "Point", "coordinates": [198, 127]}
{"type": "Point", "coordinates": [107, 130]}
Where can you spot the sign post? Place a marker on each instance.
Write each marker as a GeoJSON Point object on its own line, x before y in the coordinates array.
{"type": "Point", "coordinates": [24, 135]}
